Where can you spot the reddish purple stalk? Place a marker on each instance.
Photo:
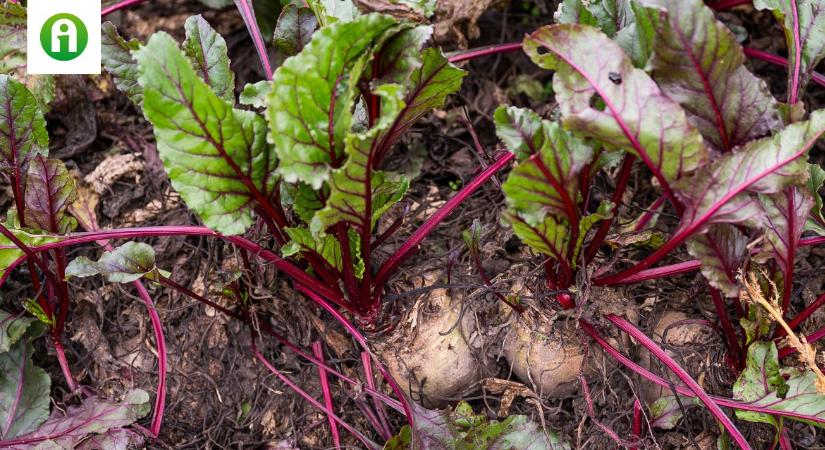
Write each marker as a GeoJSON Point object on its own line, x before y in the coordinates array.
{"type": "Point", "coordinates": [817, 77]}
{"type": "Point", "coordinates": [674, 367]}
{"type": "Point", "coordinates": [485, 51]}
{"type": "Point", "coordinates": [318, 350]}
{"type": "Point", "coordinates": [389, 267]}
{"type": "Point", "coordinates": [637, 421]}
{"type": "Point", "coordinates": [119, 5]}
{"type": "Point", "coordinates": [604, 227]}
{"type": "Point", "coordinates": [681, 390]}
{"type": "Point", "coordinates": [722, 5]}
{"type": "Point", "coordinates": [248, 14]}
{"type": "Point", "coordinates": [366, 362]}
{"type": "Point", "coordinates": [810, 309]}
{"type": "Point", "coordinates": [160, 343]}
{"type": "Point", "coordinates": [727, 326]}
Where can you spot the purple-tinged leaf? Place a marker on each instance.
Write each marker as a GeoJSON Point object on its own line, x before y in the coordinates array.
{"type": "Point", "coordinates": [785, 213]}
{"type": "Point", "coordinates": [804, 23]}
{"type": "Point", "coordinates": [114, 439]}
{"type": "Point", "coordinates": [209, 55]}
{"type": "Point", "coordinates": [311, 104]}
{"type": "Point", "coordinates": [24, 388]}
{"type": "Point", "coordinates": [118, 60]}
{"type": "Point", "coordinates": [699, 63]}
{"type": "Point", "coordinates": [816, 222]}
{"type": "Point", "coordinates": [216, 156]}
{"type": "Point", "coordinates": [400, 55]}
{"type": "Point", "coordinates": [22, 133]}
{"type": "Point", "coordinates": [723, 250]}
{"type": "Point", "coordinates": [666, 412]}
{"type": "Point", "coordinates": [50, 189]}
{"type": "Point", "coordinates": [125, 264]}
{"type": "Point", "coordinates": [294, 29]}
{"type": "Point", "coordinates": [637, 116]}
{"type": "Point", "coordinates": [69, 429]}
{"type": "Point", "coordinates": [463, 429]}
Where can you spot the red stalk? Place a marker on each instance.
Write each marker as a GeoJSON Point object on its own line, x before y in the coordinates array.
{"type": "Point", "coordinates": [722, 5]}
{"type": "Point", "coordinates": [318, 350]}
{"type": "Point", "coordinates": [648, 215]}
{"type": "Point", "coordinates": [727, 326]}
{"type": "Point", "coordinates": [811, 338]}
{"type": "Point", "coordinates": [366, 362]}
{"type": "Point", "coordinates": [793, 95]}
{"type": "Point", "coordinates": [248, 15]}
{"type": "Point", "coordinates": [674, 367]}
{"type": "Point", "coordinates": [816, 77]}
{"type": "Point", "coordinates": [484, 51]}
{"type": "Point", "coordinates": [681, 390]}
{"type": "Point", "coordinates": [389, 267]}
{"type": "Point", "coordinates": [637, 422]}
{"type": "Point", "coordinates": [604, 227]}
{"type": "Point", "coordinates": [64, 364]}
{"type": "Point", "coordinates": [810, 309]}
{"type": "Point", "coordinates": [118, 6]}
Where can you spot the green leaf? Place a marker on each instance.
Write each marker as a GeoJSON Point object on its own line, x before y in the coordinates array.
{"type": "Point", "coordinates": [816, 222]}
{"type": "Point", "coordinates": [804, 19]}
{"type": "Point", "coordinates": [129, 262]}
{"type": "Point", "coordinates": [11, 255]}
{"type": "Point", "coordinates": [637, 116]}
{"type": "Point", "coordinates": [665, 412]}
{"type": "Point", "coordinates": [50, 190]}
{"type": "Point", "coordinates": [327, 246]}
{"type": "Point", "coordinates": [24, 388]}
{"type": "Point", "coordinates": [208, 53]}
{"type": "Point", "coordinates": [294, 29]}
{"type": "Point", "coordinates": [34, 308]}
{"type": "Point", "coordinates": [216, 156]}
{"type": "Point", "coordinates": [723, 251]}
{"type": "Point", "coordinates": [759, 379]}
{"type": "Point", "coordinates": [331, 11]}
{"type": "Point", "coordinates": [22, 129]}
{"type": "Point", "coordinates": [756, 325]}
{"type": "Point", "coordinates": [117, 60]}
{"type": "Point", "coordinates": [310, 107]}
{"type": "Point", "coordinates": [255, 94]}
{"type": "Point", "coordinates": [12, 328]}
{"type": "Point", "coordinates": [359, 195]}
{"type": "Point", "coordinates": [13, 25]}
{"type": "Point", "coordinates": [462, 429]}
{"type": "Point", "coordinates": [400, 55]}
{"type": "Point", "coordinates": [699, 63]}
{"type": "Point", "coordinates": [305, 201]}
{"type": "Point", "coordinates": [603, 212]}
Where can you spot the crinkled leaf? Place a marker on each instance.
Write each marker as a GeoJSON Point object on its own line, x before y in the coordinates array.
{"type": "Point", "coordinates": [22, 129]}
{"type": "Point", "coordinates": [255, 94]}
{"type": "Point", "coordinates": [24, 387]}
{"type": "Point", "coordinates": [305, 201]}
{"type": "Point", "coordinates": [50, 189]}
{"type": "Point", "coordinates": [816, 222]}
{"type": "Point", "coordinates": [117, 60]}
{"type": "Point", "coordinates": [720, 192]}
{"type": "Point", "coordinates": [327, 246]}
{"type": "Point", "coordinates": [804, 23]}
{"type": "Point", "coordinates": [462, 429]}
{"type": "Point", "coordinates": [129, 262]}
{"type": "Point", "coordinates": [785, 214]}
{"type": "Point", "coordinates": [723, 252]}
{"type": "Point", "coordinates": [310, 107]}
{"type": "Point", "coordinates": [759, 379]}
{"type": "Point", "coordinates": [12, 36]}
{"type": "Point", "coordinates": [637, 116]}
{"type": "Point", "coordinates": [95, 416]}
{"type": "Point", "coordinates": [699, 63]}
{"type": "Point", "coordinates": [548, 237]}
{"type": "Point", "coordinates": [12, 328]}
{"type": "Point", "coordinates": [665, 413]}
{"type": "Point", "coordinates": [216, 156]}
{"type": "Point", "coordinates": [427, 89]}
{"type": "Point", "coordinates": [11, 255]}
{"type": "Point", "coordinates": [332, 11]}
{"type": "Point", "coordinates": [359, 195]}
{"type": "Point", "coordinates": [294, 29]}
{"type": "Point", "coordinates": [208, 53]}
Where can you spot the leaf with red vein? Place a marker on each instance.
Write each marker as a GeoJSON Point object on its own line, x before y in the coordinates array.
{"type": "Point", "coordinates": [804, 23]}
{"type": "Point", "coordinates": [816, 222]}
{"type": "Point", "coordinates": [208, 53]}
{"type": "Point", "coordinates": [637, 116]}
{"type": "Point", "coordinates": [24, 388]}
{"type": "Point", "coordinates": [720, 193]}
{"type": "Point", "coordinates": [699, 63]}
{"type": "Point", "coordinates": [358, 193]}
{"type": "Point", "coordinates": [50, 189]}
{"type": "Point", "coordinates": [94, 416]}
{"type": "Point", "coordinates": [216, 156]}
{"type": "Point", "coordinates": [785, 213]}
{"type": "Point", "coordinates": [22, 132]}
{"type": "Point", "coordinates": [310, 106]}
{"type": "Point", "coordinates": [722, 251]}
{"type": "Point", "coordinates": [117, 59]}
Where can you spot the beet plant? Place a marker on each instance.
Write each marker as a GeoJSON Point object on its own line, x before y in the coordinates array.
{"type": "Point", "coordinates": [663, 85]}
